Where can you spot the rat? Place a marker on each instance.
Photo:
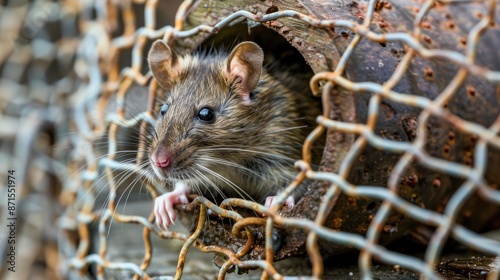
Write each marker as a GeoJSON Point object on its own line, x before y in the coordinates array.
{"type": "Point", "coordinates": [226, 127]}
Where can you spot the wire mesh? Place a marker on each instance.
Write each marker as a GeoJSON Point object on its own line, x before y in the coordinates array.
{"type": "Point", "coordinates": [52, 121]}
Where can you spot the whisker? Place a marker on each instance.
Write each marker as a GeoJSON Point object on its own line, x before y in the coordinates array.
{"type": "Point", "coordinates": [212, 184]}
{"type": "Point", "coordinates": [246, 170]}
{"type": "Point", "coordinates": [281, 130]}
{"type": "Point", "coordinates": [202, 177]}
{"type": "Point", "coordinates": [242, 193]}
{"type": "Point", "coordinates": [250, 151]}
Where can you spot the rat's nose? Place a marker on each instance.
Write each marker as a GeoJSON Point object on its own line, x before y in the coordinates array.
{"type": "Point", "coordinates": [161, 157]}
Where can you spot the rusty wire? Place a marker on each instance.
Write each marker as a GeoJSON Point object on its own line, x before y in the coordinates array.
{"type": "Point", "coordinates": [97, 53]}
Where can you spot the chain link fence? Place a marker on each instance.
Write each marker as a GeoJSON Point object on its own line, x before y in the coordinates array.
{"type": "Point", "coordinates": [70, 70]}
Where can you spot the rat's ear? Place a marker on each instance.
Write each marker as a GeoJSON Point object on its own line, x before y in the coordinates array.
{"type": "Point", "coordinates": [164, 63]}
{"type": "Point", "coordinates": [245, 63]}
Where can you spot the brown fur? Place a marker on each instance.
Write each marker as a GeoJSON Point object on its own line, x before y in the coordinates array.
{"type": "Point", "coordinates": [267, 126]}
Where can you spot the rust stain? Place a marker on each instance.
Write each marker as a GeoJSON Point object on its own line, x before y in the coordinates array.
{"type": "Point", "coordinates": [478, 14]}
{"type": "Point", "coordinates": [387, 110]}
{"type": "Point", "coordinates": [436, 183]}
{"type": "Point", "coordinates": [427, 39]}
{"type": "Point", "coordinates": [337, 223]}
{"type": "Point", "coordinates": [412, 180]}
{"type": "Point", "coordinates": [352, 201]}
{"type": "Point", "coordinates": [426, 25]}
{"type": "Point", "coordinates": [451, 138]}
{"type": "Point", "coordinates": [410, 125]}
{"type": "Point", "coordinates": [450, 24]}
{"type": "Point", "coordinates": [463, 41]}
{"type": "Point", "coordinates": [471, 92]}
{"type": "Point", "coordinates": [429, 73]}
{"type": "Point", "coordinates": [446, 150]}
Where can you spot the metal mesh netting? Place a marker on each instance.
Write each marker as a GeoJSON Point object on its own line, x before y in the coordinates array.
{"type": "Point", "coordinates": [69, 69]}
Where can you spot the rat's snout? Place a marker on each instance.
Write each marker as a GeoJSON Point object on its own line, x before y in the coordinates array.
{"type": "Point", "coordinates": [161, 157]}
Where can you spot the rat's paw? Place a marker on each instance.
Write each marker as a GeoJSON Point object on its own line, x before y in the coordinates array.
{"type": "Point", "coordinates": [164, 208]}
{"type": "Point", "coordinates": [272, 200]}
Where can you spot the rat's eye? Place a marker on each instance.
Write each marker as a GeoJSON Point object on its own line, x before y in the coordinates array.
{"type": "Point", "coordinates": [206, 115]}
{"type": "Point", "coordinates": [163, 109]}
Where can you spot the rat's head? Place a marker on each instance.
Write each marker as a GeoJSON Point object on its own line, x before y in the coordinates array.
{"type": "Point", "coordinates": [206, 110]}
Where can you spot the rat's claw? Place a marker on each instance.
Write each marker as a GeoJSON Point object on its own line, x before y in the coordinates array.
{"type": "Point", "coordinates": [290, 202]}
{"type": "Point", "coordinates": [269, 201]}
{"type": "Point", "coordinates": [272, 200]}
{"type": "Point", "coordinates": [169, 205]}
{"type": "Point", "coordinates": [164, 207]}
{"type": "Point", "coordinates": [161, 213]}
{"type": "Point", "coordinates": [183, 199]}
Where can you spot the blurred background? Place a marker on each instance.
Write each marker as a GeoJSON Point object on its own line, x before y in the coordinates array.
{"type": "Point", "coordinates": [56, 60]}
